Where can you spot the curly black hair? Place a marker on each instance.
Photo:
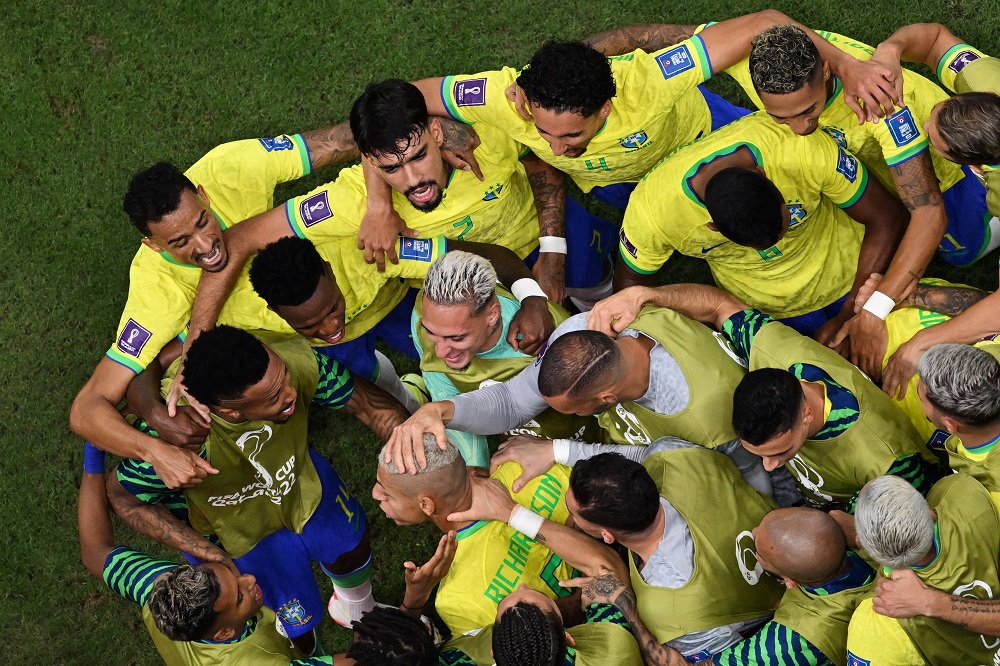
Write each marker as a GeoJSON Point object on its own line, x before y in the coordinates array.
{"type": "Point", "coordinates": [767, 402]}
{"type": "Point", "coordinates": [390, 637]}
{"type": "Point", "coordinates": [287, 271]}
{"type": "Point", "coordinates": [525, 635]}
{"type": "Point", "coordinates": [153, 193]}
{"type": "Point", "coordinates": [223, 363]}
{"type": "Point", "coordinates": [745, 207]}
{"type": "Point", "coordinates": [568, 76]}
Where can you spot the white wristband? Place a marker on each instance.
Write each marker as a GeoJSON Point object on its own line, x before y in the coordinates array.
{"type": "Point", "coordinates": [879, 304]}
{"type": "Point", "coordinates": [552, 244]}
{"type": "Point", "coordinates": [560, 451]}
{"type": "Point", "coordinates": [526, 288]}
{"type": "Point", "coordinates": [525, 521]}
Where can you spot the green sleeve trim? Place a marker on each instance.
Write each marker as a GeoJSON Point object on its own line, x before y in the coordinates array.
{"type": "Point", "coordinates": [912, 151]}
{"type": "Point", "coordinates": [293, 220]}
{"type": "Point", "coordinates": [625, 257]}
{"type": "Point", "coordinates": [449, 105]}
{"type": "Point", "coordinates": [862, 188]}
{"type": "Point", "coordinates": [300, 143]}
{"type": "Point", "coordinates": [703, 58]}
{"type": "Point", "coordinates": [947, 57]}
{"type": "Point", "coordinates": [121, 359]}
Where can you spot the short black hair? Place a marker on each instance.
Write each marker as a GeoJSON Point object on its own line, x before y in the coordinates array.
{"type": "Point", "coordinates": [576, 362]}
{"type": "Point", "coordinates": [969, 125]}
{"type": "Point", "coordinates": [525, 635]}
{"type": "Point", "coordinates": [568, 76]}
{"type": "Point", "coordinates": [391, 637]}
{"type": "Point", "coordinates": [389, 115]}
{"type": "Point", "coordinates": [153, 193]}
{"type": "Point", "coordinates": [287, 271]}
{"type": "Point", "coordinates": [767, 402]}
{"type": "Point", "coordinates": [745, 207]}
{"type": "Point", "coordinates": [223, 363]}
{"type": "Point", "coordinates": [615, 493]}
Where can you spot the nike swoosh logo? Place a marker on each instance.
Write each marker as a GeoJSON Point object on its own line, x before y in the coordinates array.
{"type": "Point", "coordinates": [706, 250]}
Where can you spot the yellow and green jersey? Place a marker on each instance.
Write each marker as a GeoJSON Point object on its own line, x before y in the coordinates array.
{"type": "Point", "coordinates": [813, 265]}
{"type": "Point", "coordinates": [493, 559]}
{"type": "Point", "coordinates": [966, 69]}
{"type": "Point", "coordinates": [890, 141]}
{"type": "Point", "coordinates": [368, 294]}
{"type": "Point", "coordinates": [239, 179]}
{"type": "Point", "coordinates": [498, 210]}
{"type": "Point", "coordinates": [656, 109]}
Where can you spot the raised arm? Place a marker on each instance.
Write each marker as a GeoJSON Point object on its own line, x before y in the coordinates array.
{"type": "Point", "coordinates": [709, 305]}
{"type": "Point", "coordinates": [646, 36]}
{"type": "Point", "coordinates": [548, 185]}
{"type": "Point", "coordinates": [919, 42]}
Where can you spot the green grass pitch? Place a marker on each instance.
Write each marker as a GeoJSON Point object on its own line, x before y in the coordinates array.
{"type": "Point", "coordinates": [93, 91]}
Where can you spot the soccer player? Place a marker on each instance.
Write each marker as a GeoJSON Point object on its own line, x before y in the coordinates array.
{"type": "Point", "coordinates": [395, 134]}
{"type": "Point", "coordinates": [196, 615]}
{"type": "Point", "coordinates": [959, 389]}
{"type": "Point", "coordinates": [787, 76]}
{"type": "Point", "coordinates": [801, 405]}
{"type": "Point", "coordinates": [772, 214]}
{"type": "Point", "coordinates": [606, 124]}
{"type": "Point", "coordinates": [491, 560]}
{"type": "Point", "coordinates": [949, 541]}
{"type": "Point", "coordinates": [274, 504]}
{"type": "Point", "coordinates": [460, 329]}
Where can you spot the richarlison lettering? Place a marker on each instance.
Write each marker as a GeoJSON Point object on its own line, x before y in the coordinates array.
{"type": "Point", "coordinates": [544, 501]}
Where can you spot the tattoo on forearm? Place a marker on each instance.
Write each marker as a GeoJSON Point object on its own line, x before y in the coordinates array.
{"type": "Point", "coordinates": [949, 301]}
{"type": "Point", "coordinates": [376, 409]}
{"type": "Point", "coordinates": [648, 37]}
{"type": "Point", "coordinates": [156, 522]}
{"type": "Point", "coordinates": [331, 145]}
{"type": "Point", "coordinates": [550, 202]}
{"type": "Point", "coordinates": [917, 183]}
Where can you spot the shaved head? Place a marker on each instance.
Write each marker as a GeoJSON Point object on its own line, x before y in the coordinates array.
{"type": "Point", "coordinates": [803, 544]}
{"type": "Point", "coordinates": [443, 478]}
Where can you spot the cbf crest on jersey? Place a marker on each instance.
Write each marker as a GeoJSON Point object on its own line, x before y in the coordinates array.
{"type": "Point", "coordinates": [847, 165]}
{"type": "Point", "coordinates": [837, 136]}
{"type": "Point", "coordinates": [293, 614]}
{"type": "Point", "coordinates": [796, 213]}
{"type": "Point", "coordinates": [902, 127]}
{"type": "Point", "coordinates": [963, 59]}
{"type": "Point", "coordinates": [277, 143]}
{"type": "Point", "coordinates": [634, 141]}
{"type": "Point", "coordinates": [493, 193]}
{"type": "Point", "coordinates": [675, 61]}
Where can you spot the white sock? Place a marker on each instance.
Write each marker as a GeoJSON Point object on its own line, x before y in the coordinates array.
{"type": "Point", "coordinates": [585, 299]}
{"type": "Point", "coordinates": [389, 382]}
{"type": "Point", "coordinates": [357, 600]}
{"type": "Point", "coordinates": [994, 231]}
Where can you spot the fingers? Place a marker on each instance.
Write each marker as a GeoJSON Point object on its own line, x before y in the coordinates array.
{"type": "Point", "coordinates": [408, 232]}
{"type": "Point", "coordinates": [574, 582]}
{"type": "Point", "coordinates": [380, 260]}
{"type": "Point", "coordinates": [203, 464]}
{"type": "Point", "coordinates": [521, 481]}
{"type": "Point", "coordinates": [838, 338]}
{"type": "Point", "coordinates": [474, 165]}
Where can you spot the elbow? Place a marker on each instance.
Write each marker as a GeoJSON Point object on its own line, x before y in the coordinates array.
{"type": "Point", "coordinates": [770, 17]}
{"type": "Point", "coordinates": [77, 414]}
{"type": "Point", "coordinates": [93, 562]}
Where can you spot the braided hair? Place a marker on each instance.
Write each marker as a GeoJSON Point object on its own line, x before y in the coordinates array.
{"type": "Point", "coordinates": [390, 637]}
{"type": "Point", "coordinates": [525, 635]}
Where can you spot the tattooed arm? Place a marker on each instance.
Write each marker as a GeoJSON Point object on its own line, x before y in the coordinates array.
{"type": "Point", "coordinates": [331, 145]}
{"type": "Point", "coordinates": [646, 36]}
{"type": "Point", "coordinates": [609, 589]}
{"type": "Point", "coordinates": [156, 522]}
{"type": "Point", "coordinates": [905, 595]}
{"type": "Point", "coordinates": [548, 185]}
{"type": "Point", "coordinates": [949, 301]}
{"type": "Point", "coordinates": [375, 408]}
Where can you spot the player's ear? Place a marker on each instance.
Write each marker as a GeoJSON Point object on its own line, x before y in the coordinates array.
{"type": "Point", "coordinates": [151, 244]}
{"type": "Point", "coordinates": [826, 71]}
{"type": "Point", "coordinates": [711, 225]}
{"type": "Point", "coordinates": [605, 110]}
{"type": "Point", "coordinates": [789, 583]}
{"type": "Point", "coordinates": [427, 505]}
{"type": "Point", "coordinates": [203, 197]}
{"type": "Point", "coordinates": [950, 424]}
{"type": "Point", "coordinates": [569, 640]}
{"type": "Point", "coordinates": [607, 537]}
{"type": "Point", "coordinates": [436, 133]}
{"type": "Point", "coordinates": [225, 634]}
{"type": "Point", "coordinates": [231, 415]}
{"type": "Point", "coordinates": [494, 313]}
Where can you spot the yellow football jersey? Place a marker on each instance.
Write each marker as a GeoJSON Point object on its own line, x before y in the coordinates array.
{"type": "Point", "coordinates": [877, 640]}
{"type": "Point", "coordinates": [656, 109]}
{"type": "Point", "coordinates": [812, 266]}
{"type": "Point", "coordinates": [890, 141]}
{"type": "Point", "coordinates": [964, 68]}
{"type": "Point", "coordinates": [493, 559]}
{"type": "Point", "coordinates": [498, 210]}
{"type": "Point", "coordinates": [239, 178]}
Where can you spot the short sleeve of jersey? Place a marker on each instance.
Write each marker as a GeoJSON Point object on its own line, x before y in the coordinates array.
{"type": "Point", "coordinates": [742, 327]}
{"type": "Point", "coordinates": [157, 311]}
{"type": "Point", "coordinates": [416, 256]}
{"type": "Point", "coordinates": [663, 76]}
{"type": "Point", "coordinates": [640, 242]}
{"type": "Point", "coordinates": [335, 383]}
{"type": "Point", "coordinates": [900, 136]}
{"type": "Point", "coordinates": [139, 478]}
{"type": "Point", "coordinates": [774, 645]}
{"type": "Point", "coordinates": [597, 613]}
{"type": "Point", "coordinates": [843, 177]}
{"type": "Point", "coordinates": [131, 574]}
{"type": "Point", "coordinates": [545, 495]}
{"type": "Point", "coordinates": [951, 69]}
{"type": "Point", "coordinates": [480, 97]}
{"type": "Point", "coordinates": [252, 165]}
{"type": "Point", "coordinates": [333, 210]}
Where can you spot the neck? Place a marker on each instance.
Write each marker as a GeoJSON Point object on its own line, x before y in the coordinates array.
{"type": "Point", "coordinates": [973, 437]}
{"type": "Point", "coordinates": [462, 502]}
{"type": "Point", "coordinates": [830, 86]}
{"type": "Point", "coordinates": [815, 396]}
{"type": "Point", "coordinates": [845, 566]}
{"type": "Point", "coordinates": [634, 381]}
{"type": "Point", "coordinates": [645, 543]}
{"type": "Point", "coordinates": [494, 336]}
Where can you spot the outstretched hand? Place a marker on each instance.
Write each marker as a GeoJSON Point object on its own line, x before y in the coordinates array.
{"type": "Point", "coordinates": [533, 454]}
{"type": "Point", "coordinates": [614, 314]}
{"type": "Point", "coordinates": [871, 89]}
{"type": "Point", "coordinates": [421, 580]}
{"type": "Point", "coordinates": [405, 447]}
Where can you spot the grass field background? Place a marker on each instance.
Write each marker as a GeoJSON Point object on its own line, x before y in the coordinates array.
{"type": "Point", "coordinates": [93, 92]}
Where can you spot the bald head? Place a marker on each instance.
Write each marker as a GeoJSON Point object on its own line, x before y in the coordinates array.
{"type": "Point", "coordinates": [578, 363]}
{"type": "Point", "coordinates": [803, 544]}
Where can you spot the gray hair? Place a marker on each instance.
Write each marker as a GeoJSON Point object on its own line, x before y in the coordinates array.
{"type": "Point", "coordinates": [436, 458]}
{"type": "Point", "coordinates": [783, 59]}
{"type": "Point", "coordinates": [894, 523]}
{"type": "Point", "coordinates": [461, 278]}
{"type": "Point", "coordinates": [963, 382]}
